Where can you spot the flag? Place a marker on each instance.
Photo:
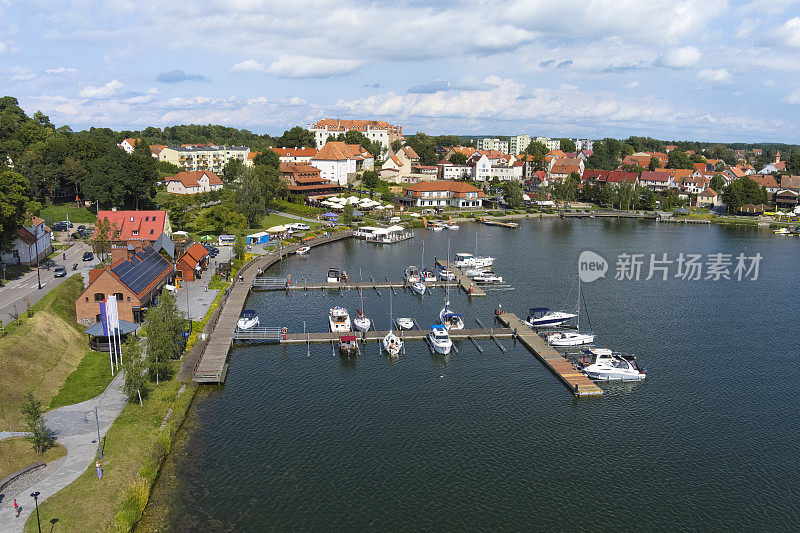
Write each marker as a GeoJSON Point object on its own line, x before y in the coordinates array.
{"type": "Point", "coordinates": [104, 318]}
{"type": "Point", "coordinates": [111, 314]}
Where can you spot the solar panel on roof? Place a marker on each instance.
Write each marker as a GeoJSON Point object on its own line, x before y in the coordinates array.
{"type": "Point", "coordinates": [140, 272]}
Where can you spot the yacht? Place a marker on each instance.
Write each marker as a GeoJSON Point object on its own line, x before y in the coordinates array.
{"type": "Point", "coordinates": [333, 275]}
{"type": "Point", "coordinates": [542, 316]}
{"type": "Point", "coordinates": [608, 366]}
{"type": "Point", "coordinates": [404, 323]}
{"type": "Point", "coordinates": [391, 342]}
{"type": "Point", "coordinates": [472, 272]}
{"type": "Point", "coordinates": [411, 275]}
{"type": "Point", "coordinates": [339, 319]}
{"type": "Point", "coordinates": [445, 274]}
{"type": "Point", "coordinates": [467, 260]}
{"type": "Point", "coordinates": [303, 250]}
{"type": "Point", "coordinates": [247, 319]}
{"type": "Point", "coordinates": [438, 340]}
{"type": "Point", "coordinates": [450, 319]}
{"type": "Point", "coordinates": [419, 288]}
{"type": "Point", "coordinates": [348, 345]}
{"type": "Point", "coordinates": [428, 275]}
{"type": "Point", "coordinates": [488, 277]}
{"type": "Point", "coordinates": [569, 338]}
{"type": "Point", "coordinates": [361, 322]}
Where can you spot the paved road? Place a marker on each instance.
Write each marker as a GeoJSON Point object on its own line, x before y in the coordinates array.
{"type": "Point", "coordinates": [77, 431]}
{"type": "Point", "coordinates": [294, 217]}
{"type": "Point", "coordinates": [13, 293]}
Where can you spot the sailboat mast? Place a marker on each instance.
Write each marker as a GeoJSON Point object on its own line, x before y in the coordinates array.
{"type": "Point", "coordinates": [578, 310]}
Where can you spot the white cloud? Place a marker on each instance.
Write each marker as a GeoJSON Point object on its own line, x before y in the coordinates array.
{"type": "Point", "coordinates": [789, 33]}
{"type": "Point", "coordinates": [104, 91]}
{"type": "Point", "coordinates": [568, 87]}
{"type": "Point", "coordinates": [719, 75]}
{"type": "Point", "coordinates": [248, 65]}
{"type": "Point", "coordinates": [289, 66]}
{"type": "Point", "coordinates": [22, 74]}
{"type": "Point", "coordinates": [684, 57]}
{"type": "Point", "coordinates": [60, 70]}
{"type": "Point", "coordinates": [792, 98]}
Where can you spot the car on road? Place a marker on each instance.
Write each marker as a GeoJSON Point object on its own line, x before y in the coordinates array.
{"type": "Point", "coordinates": [299, 226]}
{"type": "Point", "coordinates": [213, 251]}
{"type": "Point", "coordinates": [79, 234]}
{"type": "Point", "coordinates": [59, 271]}
{"type": "Point", "coordinates": [88, 256]}
{"type": "Point", "coordinates": [64, 225]}
{"type": "Point", "coordinates": [82, 228]}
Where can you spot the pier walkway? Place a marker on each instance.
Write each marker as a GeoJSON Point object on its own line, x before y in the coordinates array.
{"type": "Point", "coordinates": [469, 286]}
{"type": "Point", "coordinates": [408, 335]}
{"type": "Point", "coordinates": [212, 365]}
{"type": "Point", "coordinates": [563, 369]}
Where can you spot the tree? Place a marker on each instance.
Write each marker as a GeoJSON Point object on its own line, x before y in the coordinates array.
{"type": "Point", "coordinates": [566, 145]}
{"type": "Point", "coordinates": [232, 168]}
{"type": "Point", "coordinates": [221, 219]}
{"type": "Point", "coordinates": [458, 159]}
{"type": "Point", "coordinates": [14, 203]}
{"type": "Point", "coordinates": [356, 137]}
{"type": "Point", "coordinates": [536, 148]}
{"type": "Point", "coordinates": [39, 435]}
{"type": "Point", "coordinates": [679, 159]}
{"type": "Point", "coordinates": [396, 145]}
{"type": "Point", "coordinates": [164, 324]}
{"type": "Point", "coordinates": [425, 147]}
{"type": "Point", "coordinates": [296, 137]}
{"type": "Point", "coordinates": [268, 158]}
{"type": "Point", "coordinates": [793, 163]}
{"type": "Point", "coordinates": [512, 192]}
{"type": "Point", "coordinates": [717, 183]}
{"type": "Point", "coordinates": [625, 195]}
{"type": "Point", "coordinates": [135, 386]}
{"type": "Point", "coordinates": [239, 247]}
{"type": "Point", "coordinates": [347, 214]}
{"type": "Point", "coordinates": [250, 195]}
{"type": "Point", "coordinates": [370, 179]}
{"type": "Point", "coordinates": [655, 163]}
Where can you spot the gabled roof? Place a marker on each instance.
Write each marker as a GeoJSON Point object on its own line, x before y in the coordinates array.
{"type": "Point", "coordinates": [566, 166]}
{"type": "Point", "coordinates": [191, 178]}
{"type": "Point", "coordinates": [622, 177]}
{"type": "Point", "coordinates": [359, 152]}
{"type": "Point", "coordinates": [334, 151]}
{"type": "Point", "coordinates": [595, 174]}
{"type": "Point", "coordinates": [297, 168]}
{"type": "Point", "coordinates": [765, 180]}
{"type": "Point", "coordinates": [132, 142]}
{"type": "Point", "coordinates": [458, 188]}
{"type": "Point", "coordinates": [148, 224]}
{"type": "Point", "coordinates": [410, 153]}
{"type": "Point", "coordinates": [295, 152]}
{"type": "Point", "coordinates": [156, 148]}
{"type": "Point", "coordinates": [194, 254]}
{"type": "Point", "coordinates": [141, 271]}
{"type": "Point", "coordinates": [708, 192]}
{"type": "Point", "coordinates": [790, 182]}
{"type": "Point", "coordinates": [655, 175]}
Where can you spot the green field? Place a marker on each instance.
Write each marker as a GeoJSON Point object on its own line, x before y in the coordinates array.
{"type": "Point", "coordinates": [57, 213]}
{"type": "Point", "coordinates": [90, 379]}
{"type": "Point", "coordinates": [17, 453]}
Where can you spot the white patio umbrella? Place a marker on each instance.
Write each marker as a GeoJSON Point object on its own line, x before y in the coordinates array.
{"type": "Point", "coordinates": [276, 229]}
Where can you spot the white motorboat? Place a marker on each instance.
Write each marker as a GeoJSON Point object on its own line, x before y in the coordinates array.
{"type": "Point", "coordinates": [472, 272]}
{"type": "Point", "coordinates": [333, 275]}
{"type": "Point", "coordinates": [438, 340]}
{"type": "Point", "coordinates": [488, 278]}
{"type": "Point", "coordinates": [247, 319]}
{"type": "Point", "coordinates": [339, 319]}
{"type": "Point", "coordinates": [453, 226]}
{"type": "Point", "coordinates": [361, 322]}
{"type": "Point", "coordinates": [467, 260]}
{"type": "Point", "coordinates": [303, 250]}
{"type": "Point", "coordinates": [436, 226]}
{"type": "Point", "coordinates": [608, 366]}
{"type": "Point", "coordinates": [445, 274]}
{"type": "Point", "coordinates": [419, 288]}
{"type": "Point", "coordinates": [348, 345]}
{"type": "Point", "coordinates": [569, 338]}
{"type": "Point", "coordinates": [391, 342]}
{"type": "Point", "coordinates": [782, 231]}
{"type": "Point", "coordinates": [404, 323]}
{"type": "Point", "coordinates": [542, 316]}
{"type": "Point", "coordinates": [428, 275]}
{"type": "Point", "coordinates": [411, 275]}
{"type": "Point", "coordinates": [449, 319]}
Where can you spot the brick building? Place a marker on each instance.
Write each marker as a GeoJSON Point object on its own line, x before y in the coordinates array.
{"type": "Point", "coordinates": [135, 228]}
{"type": "Point", "coordinates": [305, 179]}
{"type": "Point", "coordinates": [192, 263]}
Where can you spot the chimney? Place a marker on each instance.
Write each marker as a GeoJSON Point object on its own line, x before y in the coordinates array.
{"type": "Point", "coordinates": [118, 254]}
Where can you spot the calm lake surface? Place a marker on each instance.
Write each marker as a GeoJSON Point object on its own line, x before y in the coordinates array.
{"type": "Point", "coordinates": [491, 442]}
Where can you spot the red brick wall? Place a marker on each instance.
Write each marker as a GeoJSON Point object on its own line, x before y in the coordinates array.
{"type": "Point", "coordinates": [107, 284]}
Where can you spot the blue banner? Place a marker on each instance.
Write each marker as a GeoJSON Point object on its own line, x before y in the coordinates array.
{"type": "Point", "coordinates": [104, 318]}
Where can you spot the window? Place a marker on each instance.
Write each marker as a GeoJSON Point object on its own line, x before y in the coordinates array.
{"type": "Point", "coordinates": [119, 296]}
{"type": "Point", "coordinates": [97, 318]}
{"type": "Point", "coordinates": [87, 298]}
{"type": "Point", "coordinates": [99, 297]}
{"type": "Point", "coordinates": [129, 298]}
{"type": "Point", "coordinates": [135, 232]}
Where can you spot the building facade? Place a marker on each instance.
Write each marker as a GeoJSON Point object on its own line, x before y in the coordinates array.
{"type": "Point", "coordinates": [193, 182]}
{"type": "Point", "coordinates": [199, 157]}
{"type": "Point", "coordinates": [518, 143]}
{"type": "Point", "coordinates": [442, 194]}
{"type": "Point", "coordinates": [374, 130]}
{"type": "Point", "coordinates": [32, 243]}
{"type": "Point", "coordinates": [493, 144]}
{"type": "Point", "coordinates": [307, 180]}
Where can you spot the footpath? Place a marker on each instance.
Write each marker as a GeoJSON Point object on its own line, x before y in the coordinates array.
{"type": "Point", "coordinates": [76, 430]}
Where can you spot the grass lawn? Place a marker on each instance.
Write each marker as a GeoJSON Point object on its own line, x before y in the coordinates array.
{"type": "Point", "coordinates": [89, 503]}
{"type": "Point", "coordinates": [90, 379]}
{"type": "Point", "coordinates": [17, 453]}
{"type": "Point", "coordinates": [277, 220]}
{"type": "Point", "coordinates": [77, 215]}
{"type": "Point", "coordinates": [39, 353]}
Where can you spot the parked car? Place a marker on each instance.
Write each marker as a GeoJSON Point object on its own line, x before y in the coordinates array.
{"type": "Point", "coordinates": [79, 234]}
{"type": "Point", "coordinates": [61, 226]}
{"type": "Point", "coordinates": [213, 251]}
{"type": "Point", "coordinates": [59, 271]}
{"type": "Point", "coordinates": [299, 226]}
{"type": "Point", "coordinates": [88, 256]}
{"type": "Point", "coordinates": [82, 228]}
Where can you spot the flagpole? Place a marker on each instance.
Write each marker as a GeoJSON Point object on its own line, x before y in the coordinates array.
{"type": "Point", "coordinates": [107, 331]}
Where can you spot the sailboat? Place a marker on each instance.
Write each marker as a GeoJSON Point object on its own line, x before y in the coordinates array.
{"type": "Point", "coordinates": [426, 274]}
{"type": "Point", "coordinates": [391, 342]}
{"type": "Point", "coordinates": [447, 317]}
{"type": "Point", "coordinates": [361, 322]}
{"type": "Point", "coordinates": [570, 338]}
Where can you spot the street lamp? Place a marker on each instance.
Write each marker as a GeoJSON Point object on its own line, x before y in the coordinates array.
{"type": "Point", "coordinates": [97, 419]}
{"type": "Point", "coordinates": [35, 496]}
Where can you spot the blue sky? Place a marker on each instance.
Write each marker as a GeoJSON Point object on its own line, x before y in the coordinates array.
{"type": "Point", "coordinates": [688, 69]}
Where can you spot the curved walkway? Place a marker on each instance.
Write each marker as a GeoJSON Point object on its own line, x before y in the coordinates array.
{"type": "Point", "coordinates": [76, 430]}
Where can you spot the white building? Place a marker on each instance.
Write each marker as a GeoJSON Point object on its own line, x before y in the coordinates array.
{"type": "Point", "coordinates": [295, 155]}
{"type": "Point", "coordinates": [456, 172]}
{"type": "Point", "coordinates": [374, 130]}
{"type": "Point", "coordinates": [493, 144]}
{"type": "Point", "coordinates": [551, 144]}
{"type": "Point", "coordinates": [518, 143]}
{"type": "Point", "coordinates": [30, 239]}
{"type": "Point", "coordinates": [129, 144]}
{"type": "Point", "coordinates": [583, 144]}
{"type": "Point", "coordinates": [195, 182]}
{"type": "Point", "coordinates": [335, 162]}
{"type": "Point", "coordinates": [200, 157]}
{"type": "Point", "coordinates": [442, 194]}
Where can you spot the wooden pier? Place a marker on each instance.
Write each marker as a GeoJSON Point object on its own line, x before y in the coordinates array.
{"type": "Point", "coordinates": [212, 365]}
{"type": "Point", "coordinates": [271, 284]}
{"type": "Point", "coordinates": [579, 384]}
{"type": "Point", "coordinates": [469, 286]}
{"type": "Point", "coordinates": [408, 335]}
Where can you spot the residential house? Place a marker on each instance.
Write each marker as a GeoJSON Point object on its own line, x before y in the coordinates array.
{"type": "Point", "coordinates": [364, 159]}
{"type": "Point", "coordinates": [335, 162]}
{"type": "Point", "coordinates": [694, 184]}
{"type": "Point", "coordinates": [708, 198]}
{"type": "Point", "coordinates": [563, 167]}
{"type": "Point", "coordinates": [133, 278]}
{"type": "Point", "coordinates": [618, 177]}
{"type": "Point", "coordinates": [467, 151]}
{"type": "Point", "coordinates": [191, 263]}
{"type": "Point", "coordinates": [642, 159]}
{"type": "Point", "coordinates": [129, 144]}
{"type": "Point", "coordinates": [790, 182]}
{"type": "Point", "coordinates": [455, 172]}
{"type": "Point", "coordinates": [295, 155]}
{"type": "Point", "coordinates": [768, 181]}
{"type": "Point", "coordinates": [193, 182]}
{"type": "Point", "coordinates": [786, 199]}
{"type": "Point", "coordinates": [195, 157]}
{"type": "Point", "coordinates": [551, 144]}
{"type": "Point", "coordinates": [137, 229]}
{"type": "Point", "coordinates": [307, 180]}
{"type": "Point", "coordinates": [406, 154]}
{"type": "Point", "coordinates": [655, 180]}
{"type": "Point", "coordinates": [32, 243]}
{"type": "Point", "coordinates": [481, 166]}
{"type": "Point", "coordinates": [583, 145]}
{"type": "Point", "coordinates": [442, 194]}
{"type": "Point", "coordinates": [518, 143]}
{"type": "Point", "coordinates": [374, 130]}
{"type": "Point", "coordinates": [428, 170]}
{"type": "Point", "coordinates": [670, 147]}
{"type": "Point", "coordinates": [493, 144]}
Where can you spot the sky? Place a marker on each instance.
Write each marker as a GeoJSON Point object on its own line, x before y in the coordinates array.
{"type": "Point", "coordinates": [708, 70]}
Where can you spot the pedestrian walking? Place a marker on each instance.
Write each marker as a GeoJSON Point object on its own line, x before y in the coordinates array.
{"type": "Point", "coordinates": [64, 255]}
{"type": "Point", "coordinates": [99, 469]}
{"type": "Point", "coordinates": [16, 507]}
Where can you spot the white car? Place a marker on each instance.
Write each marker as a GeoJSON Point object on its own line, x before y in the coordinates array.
{"type": "Point", "coordinates": [299, 226]}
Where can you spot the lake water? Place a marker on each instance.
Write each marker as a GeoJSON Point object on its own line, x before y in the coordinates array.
{"type": "Point", "coordinates": [491, 442]}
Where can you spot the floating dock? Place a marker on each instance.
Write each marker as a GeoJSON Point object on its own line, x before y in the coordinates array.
{"type": "Point", "coordinates": [574, 380]}
{"type": "Point", "coordinates": [490, 222]}
{"type": "Point", "coordinates": [466, 284]}
{"type": "Point", "coordinates": [408, 335]}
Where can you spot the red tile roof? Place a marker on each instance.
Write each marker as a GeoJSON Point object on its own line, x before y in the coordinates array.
{"type": "Point", "coordinates": [458, 188]}
{"type": "Point", "coordinates": [334, 151]}
{"type": "Point", "coordinates": [191, 178]}
{"type": "Point", "coordinates": [194, 254]}
{"type": "Point", "coordinates": [294, 152]}
{"type": "Point", "coordinates": [149, 224]}
{"type": "Point", "coordinates": [765, 180]}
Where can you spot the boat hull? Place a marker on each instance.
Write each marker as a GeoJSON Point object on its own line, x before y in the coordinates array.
{"type": "Point", "coordinates": [569, 339]}
{"type": "Point", "coordinates": [614, 376]}
{"type": "Point", "coordinates": [247, 323]}
{"type": "Point", "coordinates": [362, 324]}
{"type": "Point", "coordinates": [439, 347]}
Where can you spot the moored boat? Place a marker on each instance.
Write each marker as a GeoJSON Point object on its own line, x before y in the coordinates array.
{"type": "Point", "coordinates": [450, 319]}
{"type": "Point", "coordinates": [445, 274]}
{"type": "Point", "coordinates": [542, 316]}
{"type": "Point", "coordinates": [339, 319]}
{"type": "Point", "coordinates": [609, 366]}
{"type": "Point", "coordinates": [411, 275]}
{"type": "Point", "coordinates": [404, 323]}
{"type": "Point", "coordinates": [419, 288]}
{"type": "Point", "coordinates": [333, 275]}
{"type": "Point", "coordinates": [569, 338]}
{"type": "Point", "coordinates": [247, 319]}
{"type": "Point", "coordinates": [303, 250]}
{"type": "Point", "coordinates": [438, 340]}
{"type": "Point", "coordinates": [348, 345]}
